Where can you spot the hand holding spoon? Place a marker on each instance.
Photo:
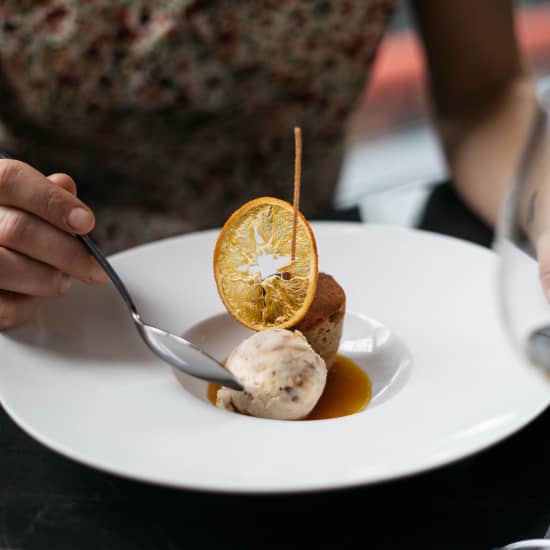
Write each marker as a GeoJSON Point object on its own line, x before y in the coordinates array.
{"type": "Point", "coordinates": [172, 349]}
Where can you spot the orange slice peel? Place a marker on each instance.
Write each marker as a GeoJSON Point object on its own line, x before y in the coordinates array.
{"type": "Point", "coordinates": [264, 227]}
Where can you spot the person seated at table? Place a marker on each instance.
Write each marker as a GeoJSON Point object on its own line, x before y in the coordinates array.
{"type": "Point", "coordinates": [169, 115]}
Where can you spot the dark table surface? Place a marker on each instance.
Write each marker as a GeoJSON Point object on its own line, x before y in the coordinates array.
{"type": "Point", "coordinates": [492, 498]}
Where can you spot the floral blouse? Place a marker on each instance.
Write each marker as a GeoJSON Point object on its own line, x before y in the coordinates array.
{"type": "Point", "coordinates": [169, 114]}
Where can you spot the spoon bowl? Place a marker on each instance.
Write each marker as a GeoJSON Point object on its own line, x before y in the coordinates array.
{"type": "Point", "coordinates": [172, 349]}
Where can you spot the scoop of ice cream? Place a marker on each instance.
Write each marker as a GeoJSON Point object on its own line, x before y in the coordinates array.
{"type": "Point", "coordinates": [282, 376]}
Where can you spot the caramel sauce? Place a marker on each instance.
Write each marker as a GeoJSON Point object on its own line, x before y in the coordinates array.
{"type": "Point", "coordinates": [348, 390]}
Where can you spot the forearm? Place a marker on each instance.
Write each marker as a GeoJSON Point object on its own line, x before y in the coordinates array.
{"type": "Point", "coordinates": [482, 94]}
{"type": "Point", "coordinates": [485, 105]}
{"type": "Point", "coordinates": [483, 144]}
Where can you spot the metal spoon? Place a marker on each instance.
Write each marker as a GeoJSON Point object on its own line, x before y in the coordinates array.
{"type": "Point", "coordinates": [175, 350]}
{"type": "Point", "coordinates": [534, 544]}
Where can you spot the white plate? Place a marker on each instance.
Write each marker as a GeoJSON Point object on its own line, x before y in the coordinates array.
{"type": "Point", "coordinates": [448, 384]}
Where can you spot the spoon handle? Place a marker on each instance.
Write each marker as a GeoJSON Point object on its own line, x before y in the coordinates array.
{"type": "Point", "coordinates": [92, 247]}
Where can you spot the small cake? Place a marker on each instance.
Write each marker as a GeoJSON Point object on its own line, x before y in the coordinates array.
{"type": "Point", "coordinates": [323, 323]}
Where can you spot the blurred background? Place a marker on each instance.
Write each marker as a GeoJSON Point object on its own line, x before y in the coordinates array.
{"type": "Point", "coordinates": [393, 121]}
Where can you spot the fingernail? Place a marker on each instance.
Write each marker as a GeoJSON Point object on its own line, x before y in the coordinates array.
{"type": "Point", "coordinates": [80, 219]}
{"type": "Point", "coordinates": [98, 275]}
{"type": "Point", "coordinates": [65, 285]}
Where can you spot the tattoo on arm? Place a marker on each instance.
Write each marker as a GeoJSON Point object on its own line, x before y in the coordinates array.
{"type": "Point", "coordinates": [531, 208]}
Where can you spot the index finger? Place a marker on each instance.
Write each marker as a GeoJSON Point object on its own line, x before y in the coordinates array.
{"type": "Point", "coordinates": [23, 187]}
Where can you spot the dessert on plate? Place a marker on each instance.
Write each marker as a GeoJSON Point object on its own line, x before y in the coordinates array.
{"type": "Point", "coordinates": [297, 312]}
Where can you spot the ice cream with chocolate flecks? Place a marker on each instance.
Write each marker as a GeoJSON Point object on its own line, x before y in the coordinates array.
{"type": "Point", "coordinates": [283, 378]}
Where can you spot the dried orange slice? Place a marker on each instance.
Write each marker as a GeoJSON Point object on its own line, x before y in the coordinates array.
{"type": "Point", "coordinates": [260, 229]}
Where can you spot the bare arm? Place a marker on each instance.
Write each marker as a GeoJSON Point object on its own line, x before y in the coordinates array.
{"type": "Point", "coordinates": [482, 94]}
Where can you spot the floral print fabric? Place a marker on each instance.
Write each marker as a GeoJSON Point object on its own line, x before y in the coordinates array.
{"type": "Point", "coordinates": [171, 113]}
